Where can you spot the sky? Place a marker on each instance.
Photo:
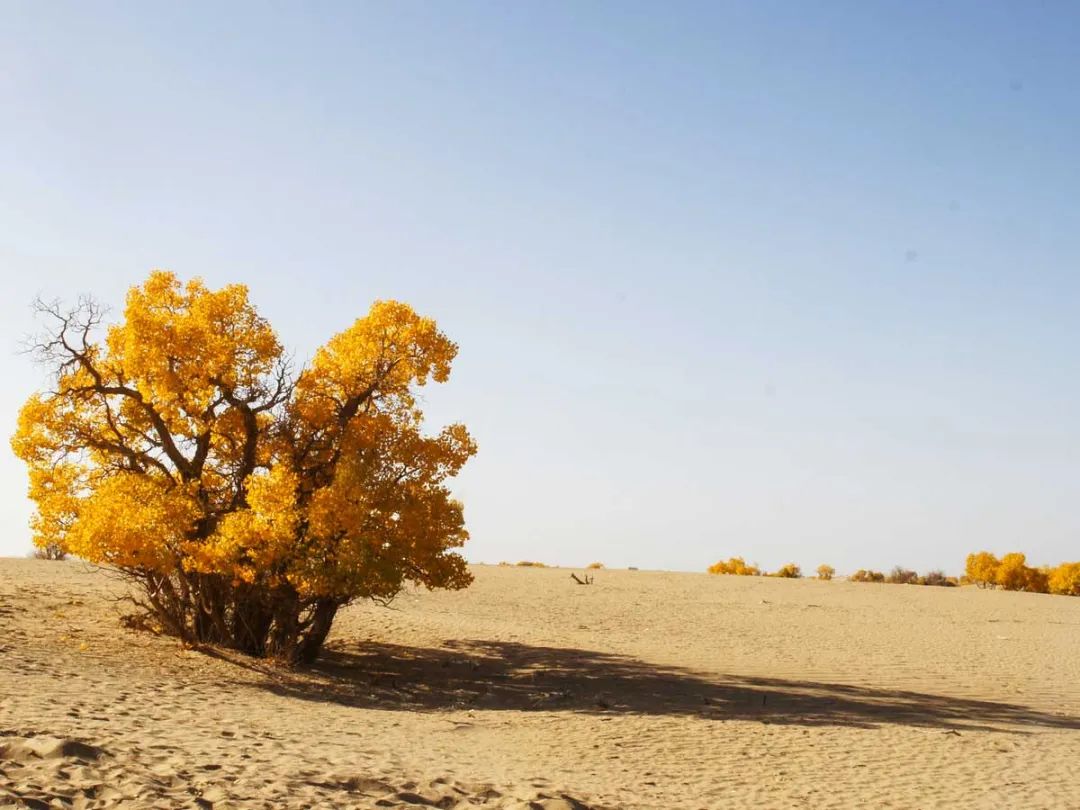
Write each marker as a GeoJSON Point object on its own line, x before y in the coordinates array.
{"type": "Point", "coordinates": [791, 281]}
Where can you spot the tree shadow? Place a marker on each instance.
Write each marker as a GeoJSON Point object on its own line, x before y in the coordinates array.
{"type": "Point", "coordinates": [502, 675]}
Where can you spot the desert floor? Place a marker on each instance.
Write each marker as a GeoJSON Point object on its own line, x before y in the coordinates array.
{"type": "Point", "coordinates": [643, 690]}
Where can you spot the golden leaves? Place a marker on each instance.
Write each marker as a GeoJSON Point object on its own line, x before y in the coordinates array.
{"type": "Point", "coordinates": [132, 520]}
{"type": "Point", "coordinates": [182, 343]}
{"type": "Point", "coordinates": [736, 566]}
{"type": "Point", "coordinates": [179, 445]}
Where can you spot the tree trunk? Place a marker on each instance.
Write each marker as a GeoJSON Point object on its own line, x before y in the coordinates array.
{"type": "Point", "coordinates": [208, 609]}
{"type": "Point", "coordinates": [312, 640]}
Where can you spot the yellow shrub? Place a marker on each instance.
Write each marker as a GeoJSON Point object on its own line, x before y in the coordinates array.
{"type": "Point", "coordinates": [1065, 579]}
{"type": "Point", "coordinates": [736, 566]}
{"type": "Point", "coordinates": [789, 571]}
{"type": "Point", "coordinates": [530, 564]}
{"type": "Point", "coordinates": [982, 568]}
{"type": "Point", "coordinates": [825, 572]}
{"type": "Point", "coordinates": [1037, 580]}
{"type": "Point", "coordinates": [596, 565]}
{"type": "Point", "coordinates": [250, 499]}
{"type": "Point", "coordinates": [1012, 572]}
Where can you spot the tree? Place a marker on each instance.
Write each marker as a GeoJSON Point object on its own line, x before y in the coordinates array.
{"type": "Point", "coordinates": [788, 571]}
{"type": "Point", "coordinates": [250, 502]}
{"type": "Point", "coordinates": [736, 566]}
{"type": "Point", "coordinates": [1012, 571]}
{"type": "Point", "coordinates": [1065, 579]}
{"type": "Point", "coordinates": [825, 572]}
{"type": "Point", "coordinates": [982, 568]}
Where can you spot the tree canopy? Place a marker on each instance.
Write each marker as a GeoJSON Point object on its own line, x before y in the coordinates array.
{"type": "Point", "coordinates": [248, 499]}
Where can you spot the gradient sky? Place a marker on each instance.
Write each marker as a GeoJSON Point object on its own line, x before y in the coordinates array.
{"type": "Point", "coordinates": [794, 281]}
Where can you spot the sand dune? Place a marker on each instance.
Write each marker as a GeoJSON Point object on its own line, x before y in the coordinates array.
{"type": "Point", "coordinates": [644, 690]}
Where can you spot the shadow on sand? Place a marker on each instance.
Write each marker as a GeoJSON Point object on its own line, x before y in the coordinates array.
{"type": "Point", "coordinates": [501, 675]}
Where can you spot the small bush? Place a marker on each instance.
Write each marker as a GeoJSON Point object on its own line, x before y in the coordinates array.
{"type": "Point", "coordinates": [503, 564]}
{"type": "Point", "coordinates": [50, 551]}
{"type": "Point", "coordinates": [789, 571]}
{"type": "Point", "coordinates": [981, 569]}
{"type": "Point", "coordinates": [938, 578]}
{"type": "Point", "coordinates": [596, 565]}
{"type": "Point", "coordinates": [825, 572]}
{"type": "Point", "coordinates": [902, 576]}
{"type": "Point", "coordinates": [1037, 580]}
{"type": "Point", "coordinates": [1012, 572]}
{"type": "Point", "coordinates": [531, 564]}
{"type": "Point", "coordinates": [867, 576]}
{"type": "Point", "coordinates": [1065, 579]}
{"type": "Point", "coordinates": [735, 566]}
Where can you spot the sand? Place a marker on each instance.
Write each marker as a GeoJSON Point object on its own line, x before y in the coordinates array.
{"type": "Point", "coordinates": [643, 690]}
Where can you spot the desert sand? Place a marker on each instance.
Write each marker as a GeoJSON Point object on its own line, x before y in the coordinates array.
{"type": "Point", "coordinates": [643, 690]}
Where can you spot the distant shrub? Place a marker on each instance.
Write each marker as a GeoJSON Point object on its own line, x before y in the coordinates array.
{"type": "Point", "coordinates": [1065, 579]}
{"type": "Point", "coordinates": [981, 569]}
{"type": "Point", "coordinates": [1012, 572]}
{"type": "Point", "coordinates": [504, 563]}
{"type": "Point", "coordinates": [789, 571]}
{"type": "Point", "coordinates": [49, 551]}
{"type": "Point", "coordinates": [902, 576]}
{"type": "Point", "coordinates": [596, 565]}
{"type": "Point", "coordinates": [825, 572]}
{"type": "Point", "coordinates": [938, 578]}
{"type": "Point", "coordinates": [736, 566]}
{"type": "Point", "coordinates": [1037, 580]}
{"type": "Point", "coordinates": [863, 575]}
{"type": "Point", "coordinates": [531, 564]}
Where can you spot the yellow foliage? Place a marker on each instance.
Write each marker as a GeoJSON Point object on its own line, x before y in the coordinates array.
{"type": "Point", "coordinates": [595, 565]}
{"type": "Point", "coordinates": [1065, 579]}
{"type": "Point", "coordinates": [825, 572]}
{"type": "Point", "coordinates": [735, 566]}
{"type": "Point", "coordinates": [183, 450]}
{"type": "Point", "coordinates": [788, 571]}
{"type": "Point", "coordinates": [982, 569]}
{"type": "Point", "coordinates": [1012, 572]}
{"type": "Point", "coordinates": [531, 564]}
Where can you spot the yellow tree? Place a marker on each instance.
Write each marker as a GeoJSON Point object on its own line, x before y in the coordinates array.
{"type": "Point", "coordinates": [248, 501]}
{"type": "Point", "coordinates": [1065, 579]}
{"type": "Point", "coordinates": [982, 569]}
{"type": "Point", "coordinates": [788, 571]}
{"type": "Point", "coordinates": [1013, 574]}
{"type": "Point", "coordinates": [736, 566]}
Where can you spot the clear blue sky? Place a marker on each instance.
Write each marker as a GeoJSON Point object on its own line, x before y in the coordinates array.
{"type": "Point", "coordinates": [791, 281]}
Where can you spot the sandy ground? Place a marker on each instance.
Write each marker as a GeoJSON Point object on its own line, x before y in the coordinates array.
{"type": "Point", "coordinates": [643, 690]}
